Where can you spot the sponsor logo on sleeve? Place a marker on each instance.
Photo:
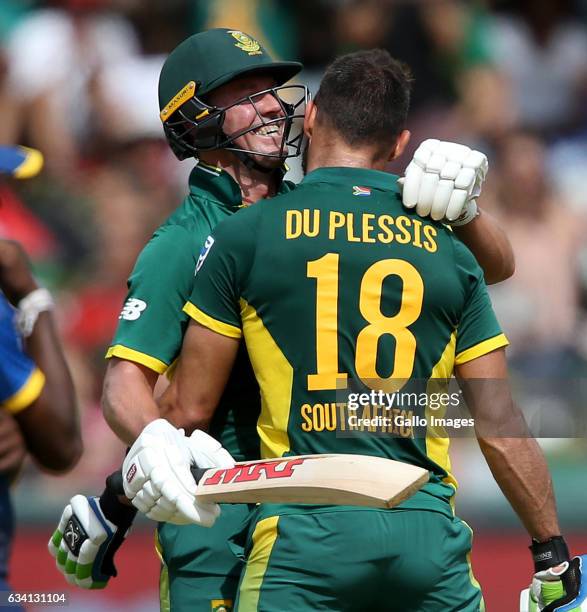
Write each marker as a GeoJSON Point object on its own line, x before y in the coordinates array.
{"type": "Point", "coordinates": [204, 253]}
{"type": "Point", "coordinates": [132, 309]}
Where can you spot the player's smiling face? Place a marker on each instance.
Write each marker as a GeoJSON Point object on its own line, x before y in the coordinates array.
{"type": "Point", "coordinates": [257, 110]}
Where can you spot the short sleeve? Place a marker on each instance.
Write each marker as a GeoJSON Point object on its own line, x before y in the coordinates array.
{"type": "Point", "coordinates": [220, 274]}
{"type": "Point", "coordinates": [478, 331]}
{"type": "Point", "coordinates": [21, 382]}
{"type": "Point", "coordinates": [151, 324]}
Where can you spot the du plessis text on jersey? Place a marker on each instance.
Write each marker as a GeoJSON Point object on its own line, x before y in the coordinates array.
{"type": "Point", "coordinates": [360, 227]}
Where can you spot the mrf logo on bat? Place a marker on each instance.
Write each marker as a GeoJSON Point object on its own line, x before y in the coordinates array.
{"type": "Point", "coordinates": [252, 473]}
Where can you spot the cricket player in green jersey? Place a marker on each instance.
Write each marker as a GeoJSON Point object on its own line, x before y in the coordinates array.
{"type": "Point", "coordinates": [222, 101]}
{"type": "Point", "coordinates": [240, 95]}
{"type": "Point", "coordinates": [336, 282]}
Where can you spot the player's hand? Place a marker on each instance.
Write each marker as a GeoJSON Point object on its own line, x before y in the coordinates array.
{"type": "Point", "coordinates": [443, 181]}
{"type": "Point", "coordinates": [89, 533]}
{"type": "Point", "coordinates": [559, 588]}
{"type": "Point", "coordinates": [157, 477]}
{"type": "Point", "coordinates": [16, 278]}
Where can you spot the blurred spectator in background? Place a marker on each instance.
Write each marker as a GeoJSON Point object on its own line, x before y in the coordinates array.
{"type": "Point", "coordinates": [272, 21]}
{"type": "Point", "coordinates": [542, 48]}
{"type": "Point", "coordinates": [539, 306]}
{"type": "Point", "coordinates": [53, 54]}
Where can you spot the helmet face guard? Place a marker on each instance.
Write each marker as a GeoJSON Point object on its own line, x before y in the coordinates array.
{"type": "Point", "coordinates": [196, 126]}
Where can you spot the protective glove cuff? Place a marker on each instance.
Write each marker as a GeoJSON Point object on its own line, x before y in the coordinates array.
{"type": "Point", "coordinates": [470, 212]}
{"type": "Point", "coordinates": [550, 553]}
{"type": "Point", "coordinates": [113, 509]}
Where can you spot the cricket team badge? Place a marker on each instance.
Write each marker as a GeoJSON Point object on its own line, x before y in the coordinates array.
{"type": "Point", "coordinates": [246, 43]}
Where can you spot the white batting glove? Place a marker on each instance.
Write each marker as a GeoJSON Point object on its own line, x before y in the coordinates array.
{"type": "Point", "coordinates": [443, 181]}
{"type": "Point", "coordinates": [157, 477]}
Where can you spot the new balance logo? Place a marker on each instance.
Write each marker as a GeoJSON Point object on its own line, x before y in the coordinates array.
{"type": "Point", "coordinates": [132, 309]}
{"type": "Point", "coordinates": [204, 252]}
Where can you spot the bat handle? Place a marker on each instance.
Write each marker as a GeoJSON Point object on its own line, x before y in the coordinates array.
{"type": "Point", "coordinates": [114, 481]}
{"type": "Point", "coordinates": [197, 472]}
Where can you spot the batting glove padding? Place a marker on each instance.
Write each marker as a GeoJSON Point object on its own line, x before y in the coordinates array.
{"type": "Point", "coordinates": [85, 541]}
{"type": "Point", "coordinates": [157, 477]}
{"type": "Point", "coordinates": [443, 181]}
{"type": "Point", "coordinates": [559, 590]}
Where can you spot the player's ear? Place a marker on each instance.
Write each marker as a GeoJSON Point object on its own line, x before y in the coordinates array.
{"type": "Point", "coordinates": [309, 119]}
{"type": "Point", "coordinates": [400, 144]}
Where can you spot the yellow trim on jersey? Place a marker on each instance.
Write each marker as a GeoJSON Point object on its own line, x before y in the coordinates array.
{"type": "Point", "coordinates": [164, 599]}
{"type": "Point", "coordinates": [220, 327]}
{"type": "Point", "coordinates": [27, 394]}
{"type": "Point", "coordinates": [123, 352]}
{"type": "Point", "coordinates": [437, 440]}
{"type": "Point", "coordinates": [481, 349]}
{"type": "Point", "coordinates": [158, 547]}
{"type": "Point", "coordinates": [172, 369]}
{"type": "Point", "coordinates": [32, 164]}
{"type": "Point", "coordinates": [264, 538]}
{"type": "Point", "coordinates": [274, 374]}
{"type": "Point", "coordinates": [472, 578]}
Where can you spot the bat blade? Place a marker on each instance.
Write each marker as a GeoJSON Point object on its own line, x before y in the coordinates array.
{"type": "Point", "coordinates": [355, 480]}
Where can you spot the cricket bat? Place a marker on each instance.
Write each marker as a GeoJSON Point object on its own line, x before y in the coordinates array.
{"type": "Point", "coordinates": [354, 480]}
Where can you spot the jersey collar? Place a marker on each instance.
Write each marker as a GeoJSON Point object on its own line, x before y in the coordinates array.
{"type": "Point", "coordinates": [364, 177]}
{"type": "Point", "coordinates": [216, 184]}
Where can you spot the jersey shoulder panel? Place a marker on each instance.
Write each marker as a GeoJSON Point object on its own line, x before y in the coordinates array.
{"type": "Point", "coordinates": [151, 323]}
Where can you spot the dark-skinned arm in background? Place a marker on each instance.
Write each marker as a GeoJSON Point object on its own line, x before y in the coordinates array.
{"type": "Point", "coordinates": [50, 424]}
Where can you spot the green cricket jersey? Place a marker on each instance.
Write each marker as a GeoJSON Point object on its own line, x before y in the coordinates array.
{"type": "Point", "coordinates": [334, 282]}
{"type": "Point", "coordinates": [151, 324]}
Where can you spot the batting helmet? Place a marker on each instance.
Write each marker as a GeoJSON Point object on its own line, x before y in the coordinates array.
{"type": "Point", "coordinates": [202, 63]}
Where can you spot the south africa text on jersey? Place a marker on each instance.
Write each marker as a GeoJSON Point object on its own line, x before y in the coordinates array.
{"type": "Point", "coordinates": [360, 227]}
{"type": "Point", "coordinates": [334, 416]}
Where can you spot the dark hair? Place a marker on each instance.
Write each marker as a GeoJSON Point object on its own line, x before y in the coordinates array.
{"type": "Point", "coordinates": [365, 97]}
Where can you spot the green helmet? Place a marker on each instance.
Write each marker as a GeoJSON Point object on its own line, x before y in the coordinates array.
{"type": "Point", "coordinates": [204, 62]}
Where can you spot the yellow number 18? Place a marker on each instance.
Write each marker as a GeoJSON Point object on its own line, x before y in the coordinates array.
{"type": "Point", "coordinates": [325, 271]}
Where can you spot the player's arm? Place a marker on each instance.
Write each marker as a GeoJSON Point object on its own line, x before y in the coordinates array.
{"type": "Point", "coordinates": [490, 245]}
{"type": "Point", "coordinates": [513, 455]}
{"type": "Point", "coordinates": [127, 398]}
{"type": "Point", "coordinates": [443, 181]}
{"type": "Point", "coordinates": [204, 366]}
{"type": "Point", "coordinates": [49, 422]}
{"type": "Point", "coordinates": [519, 468]}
